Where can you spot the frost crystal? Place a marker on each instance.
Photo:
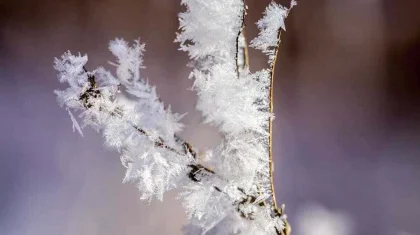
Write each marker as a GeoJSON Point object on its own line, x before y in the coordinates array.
{"type": "Point", "coordinates": [229, 191]}
{"type": "Point", "coordinates": [270, 27]}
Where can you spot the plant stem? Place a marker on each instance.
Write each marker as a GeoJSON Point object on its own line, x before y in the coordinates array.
{"type": "Point", "coordinates": [270, 124]}
{"type": "Point", "coordinates": [271, 108]}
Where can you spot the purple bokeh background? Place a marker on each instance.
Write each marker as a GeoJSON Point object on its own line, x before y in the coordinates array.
{"type": "Point", "coordinates": [347, 105]}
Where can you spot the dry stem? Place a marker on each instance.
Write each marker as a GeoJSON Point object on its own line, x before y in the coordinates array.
{"type": "Point", "coordinates": [271, 107]}
{"type": "Point", "coordinates": [245, 48]}
{"type": "Point", "coordinates": [270, 124]}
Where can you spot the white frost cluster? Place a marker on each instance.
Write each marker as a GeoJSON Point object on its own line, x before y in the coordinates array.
{"type": "Point", "coordinates": [270, 26]}
{"type": "Point", "coordinates": [209, 30]}
{"type": "Point", "coordinates": [227, 193]}
{"type": "Point", "coordinates": [122, 121]}
{"type": "Point", "coordinates": [231, 103]}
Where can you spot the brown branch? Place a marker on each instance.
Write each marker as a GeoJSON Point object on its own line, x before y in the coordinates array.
{"type": "Point", "coordinates": [245, 48]}
{"type": "Point", "coordinates": [270, 124]}
{"type": "Point", "coordinates": [93, 92]}
{"type": "Point", "coordinates": [246, 54]}
{"type": "Point", "coordinates": [287, 228]}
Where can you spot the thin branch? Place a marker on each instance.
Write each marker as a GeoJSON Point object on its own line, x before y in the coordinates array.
{"type": "Point", "coordinates": [243, 49]}
{"type": "Point", "coordinates": [271, 108]}
{"type": "Point", "coordinates": [270, 124]}
{"type": "Point", "coordinates": [93, 92]}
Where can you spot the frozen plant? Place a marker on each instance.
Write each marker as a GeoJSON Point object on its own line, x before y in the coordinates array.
{"type": "Point", "coordinates": [230, 191]}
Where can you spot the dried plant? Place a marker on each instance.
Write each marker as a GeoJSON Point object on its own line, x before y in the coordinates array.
{"type": "Point", "coordinates": [231, 189]}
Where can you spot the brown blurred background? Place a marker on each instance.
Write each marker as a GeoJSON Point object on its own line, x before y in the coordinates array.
{"type": "Point", "coordinates": [347, 105]}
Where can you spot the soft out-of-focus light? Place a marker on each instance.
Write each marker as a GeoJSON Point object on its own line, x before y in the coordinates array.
{"type": "Point", "coordinates": [314, 219]}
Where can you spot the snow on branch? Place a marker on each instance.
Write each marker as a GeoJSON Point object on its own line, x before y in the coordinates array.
{"type": "Point", "coordinates": [270, 27]}
{"type": "Point", "coordinates": [229, 191]}
{"type": "Point", "coordinates": [268, 40]}
{"type": "Point", "coordinates": [95, 94]}
{"type": "Point", "coordinates": [209, 29]}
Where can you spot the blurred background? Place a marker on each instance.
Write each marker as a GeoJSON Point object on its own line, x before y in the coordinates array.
{"type": "Point", "coordinates": [347, 127]}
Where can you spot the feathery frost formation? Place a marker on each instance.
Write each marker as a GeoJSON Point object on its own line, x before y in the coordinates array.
{"type": "Point", "coordinates": [229, 191]}
{"type": "Point", "coordinates": [270, 26]}
{"type": "Point", "coordinates": [209, 30]}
